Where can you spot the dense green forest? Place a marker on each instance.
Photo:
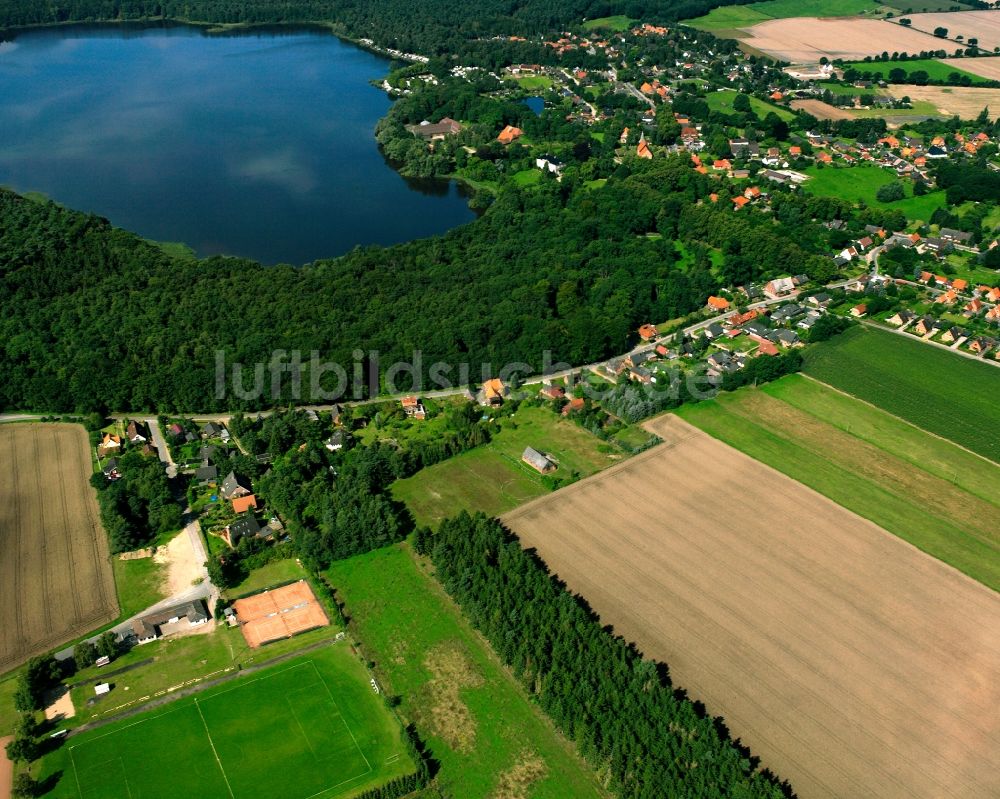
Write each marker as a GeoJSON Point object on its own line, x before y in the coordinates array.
{"type": "Point", "coordinates": [621, 710]}
{"type": "Point", "coordinates": [431, 27]}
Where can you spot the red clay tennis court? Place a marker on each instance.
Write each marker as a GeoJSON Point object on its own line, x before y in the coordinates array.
{"type": "Point", "coordinates": [279, 613]}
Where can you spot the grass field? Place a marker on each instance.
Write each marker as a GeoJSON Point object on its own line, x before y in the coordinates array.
{"type": "Point", "coordinates": [936, 70]}
{"type": "Point", "coordinates": [532, 82]}
{"type": "Point", "coordinates": [723, 103]}
{"type": "Point", "coordinates": [492, 478]}
{"type": "Point", "coordinates": [926, 490]}
{"type": "Point", "coordinates": [616, 23]}
{"type": "Point", "coordinates": [938, 391]}
{"type": "Point", "coordinates": [274, 573]}
{"type": "Point", "coordinates": [861, 184]}
{"type": "Point", "coordinates": [728, 17]}
{"type": "Point", "coordinates": [477, 722]}
{"type": "Point", "coordinates": [310, 727]}
{"type": "Point", "coordinates": [139, 584]}
{"type": "Point", "coordinates": [836, 652]}
{"type": "Point", "coordinates": [55, 574]}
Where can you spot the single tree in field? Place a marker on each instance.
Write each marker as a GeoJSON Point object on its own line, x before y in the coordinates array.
{"type": "Point", "coordinates": [84, 654]}
{"type": "Point", "coordinates": [24, 787]}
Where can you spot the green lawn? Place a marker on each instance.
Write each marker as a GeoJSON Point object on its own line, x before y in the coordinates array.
{"type": "Point", "coordinates": [526, 177]}
{"type": "Point", "coordinates": [723, 102]}
{"type": "Point", "coordinates": [926, 490]}
{"type": "Point", "coordinates": [175, 661]}
{"type": "Point", "coordinates": [727, 17]}
{"type": "Point", "coordinates": [936, 70]}
{"type": "Point", "coordinates": [8, 715]}
{"type": "Point", "coordinates": [275, 573]}
{"type": "Point", "coordinates": [139, 584]}
{"type": "Point", "coordinates": [939, 391]}
{"type": "Point", "coordinates": [476, 720]}
{"type": "Point", "coordinates": [861, 184]}
{"type": "Point", "coordinates": [310, 727]}
{"type": "Point", "coordinates": [492, 478]}
{"type": "Point", "coordinates": [618, 22]}
{"type": "Point", "coordinates": [532, 82]}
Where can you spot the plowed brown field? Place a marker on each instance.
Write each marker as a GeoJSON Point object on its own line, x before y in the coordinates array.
{"type": "Point", "coordinates": [55, 573]}
{"type": "Point", "coordinates": [853, 664]}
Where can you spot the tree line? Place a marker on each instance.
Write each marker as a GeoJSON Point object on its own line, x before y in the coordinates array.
{"type": "Point", "coordinates": [623, 713]}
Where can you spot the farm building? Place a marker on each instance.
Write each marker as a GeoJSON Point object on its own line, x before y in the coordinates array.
{"type": "Point", "coordinates": [157, 625]}
{"type": "Point", "coordinates": [537, 461]}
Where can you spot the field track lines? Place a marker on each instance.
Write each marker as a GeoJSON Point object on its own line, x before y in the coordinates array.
{"type": "Point", "coordinates": [67, 541]}
{"type": "Point", "coordinates": [900, 418]}
{"type": "Point", "coordinates": [44, 548]}
{"type": "Point", "coordinates": [214, 753]}
{"type": "Point", "coordinates": [18, 548]}
{"type": "Point", "coordinates": [346, 725]}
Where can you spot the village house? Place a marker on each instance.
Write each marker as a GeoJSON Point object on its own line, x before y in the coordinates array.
{"type": "Point", "coordinates": [718, 304]}
{"type": "Point", "coordinates": [336, 441]}
{"type": "Point", "coordinates": [136, 433]}
{"type": "Point", "coordinates": [206, 474]}
{"type": "Point", "coordinates": [925, 325]}
{"type": "Point", "coordinates": [246, 526]}
{"type": "Point", "coordinates": [493, 392]}
{"type": "Point", "coordinates": [648, 332]}
{"type": "Point", "coordinates": [233, 486]}
{"type": "Point", "coordinates": [243, 504]}
{"type": "Point", "coordinates": [549, 163]}
{"type": "Point", "coordinates": [414, 408]}
{"type": "Point", "coordinates": [573, 406]}
{"type": "Point", "coordinates": [859, 310]}
{"type": "Point", "coordinates": [435, 131]}
{"type": "Point", "coordinates": [167, 621]}
{"type": "Point", "coordinates": [552, 392]}
{"type": "Point", "coordinates": [779, 287]}
{"type": "Point", "coordinates": [111, 469]}
{"type": "Point", "coordinates": [110, 444]}
{"type": "Point", "coordinates": [509, 134]}
{"type": "Point", "coordinates": [537, 461]}
{"type": "Point", "coordinates": [902, 317]}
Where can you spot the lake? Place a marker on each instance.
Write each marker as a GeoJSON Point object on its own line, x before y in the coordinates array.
{"type": "Point", "coordinates": [260, 144]}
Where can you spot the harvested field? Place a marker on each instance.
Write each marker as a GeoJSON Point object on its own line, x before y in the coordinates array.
{"type": "Point", "coordinates": [988, 68]}
{"type": "Point", "coordinates": [55, 574]}
{"type": "Point", "coordinates": [821, 110]}
{"type": "Point", "coordinates": [803, 40]}
{"type": "Point", "coordinates": [279, 613]}
{"type": "Point", "coordinates": [982, 25]}
{"type": "Point", "coordinates": [852, 663]}
{"type": "Point", "coordinates": [965, 101]}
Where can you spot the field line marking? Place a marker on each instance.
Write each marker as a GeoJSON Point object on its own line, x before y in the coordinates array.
{"type": "Point", "coordinates": [302, 729]}
{"type": "Point", "coordinates": [212, 744]}
{"type": "Point", "coordinates": [174, 709]}
{"type": "Point", "coordinates": [348, 726]}
{"type": "Point", "coordinates": [76, 775]}
{"type": "Point", "coordinates": [243, 683]}
{"type": "Point", "coordinates": [128, 788]}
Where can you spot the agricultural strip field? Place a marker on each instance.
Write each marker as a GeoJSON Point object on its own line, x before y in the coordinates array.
{"type": "Point", "coordinates": [951, 396]}
{"type": "Point", "coordinates": [728, 17]}
{"type": "Point", "coordinates": [988, 68]}
{"type": "Point", "coordinates": [807, 39]}
{"type": "Point", "coordinates": [979, 24]}
{"type": "Point", "coordinates": [963, 101]}
{"type": "Point", "coordinates": [861, 184]}
{"type": "Point", "coordinates": [935, 69]}
{"type": "Point", "coordinates": [309, 727]}
{"type": "Point", "coordinates": [821, 110]}
{"type": "Point", "coordinates": [492, 478]}
{"type": "Point", "coordinates": [490, 740]}
{"type": "Point", "coordinates": [852, 663]}
{"type": "Point", "coordinates": [55, 574]}
{"type": "Point", "coordinates": [928, 491]}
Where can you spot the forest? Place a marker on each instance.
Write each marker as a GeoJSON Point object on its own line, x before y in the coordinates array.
{"type": "Point", "coordinates": [625, 716]}
{"type": "Point", "coordinates": [430, 27]}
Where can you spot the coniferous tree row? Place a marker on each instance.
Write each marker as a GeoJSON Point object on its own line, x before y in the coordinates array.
{"type": "Point", "coordinates": [619, 709]}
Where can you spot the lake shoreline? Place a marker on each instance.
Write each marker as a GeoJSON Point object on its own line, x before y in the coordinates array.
{"type": "Point", "coordinates": [23, 179]}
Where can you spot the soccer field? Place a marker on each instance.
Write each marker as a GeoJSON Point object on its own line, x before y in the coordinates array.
{"type": "Point", "coordinates": [311, 728]}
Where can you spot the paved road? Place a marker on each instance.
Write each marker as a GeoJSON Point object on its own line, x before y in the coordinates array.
{"type": "Point", "coordinates": [161, 446]}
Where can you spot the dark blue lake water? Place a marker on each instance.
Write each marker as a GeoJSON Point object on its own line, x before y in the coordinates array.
{"type": "Point", "coordinates": [260, 145]}
{"type": "Point", "coordinates": [536, 104]}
